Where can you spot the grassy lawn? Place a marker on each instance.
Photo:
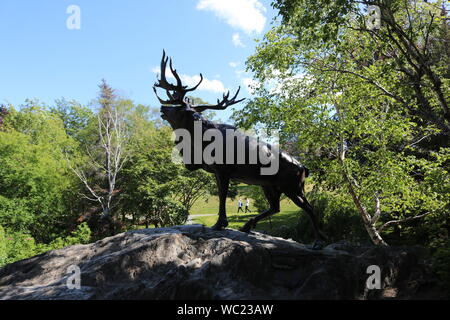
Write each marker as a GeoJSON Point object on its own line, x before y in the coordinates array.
{"type": "Point", "coordinates": [287, 216]}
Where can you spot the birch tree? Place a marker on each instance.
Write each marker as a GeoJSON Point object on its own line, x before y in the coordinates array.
{"type": "Point", "coordinates": [107, 157]}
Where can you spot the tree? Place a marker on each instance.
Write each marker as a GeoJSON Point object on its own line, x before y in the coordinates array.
{"type": "Point", "coordinates": [410, 48]}
{"type": "Point", "coordinates": [107, 157]}
{"type": "Point", "coordinates": [150, 178]}
{"type": "Point", "coordinates": [36, 183]}
{"type": "Point", "coordinates": [76, 118]}
{"type": "Point", "coordinates": [339, 92]}
{"type": "Point", "coordinates": [192, 186]}
{"type": "Point", "coordinates": [3, 113]}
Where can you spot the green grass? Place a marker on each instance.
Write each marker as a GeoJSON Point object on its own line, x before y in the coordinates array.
{"type": "Point", "coordinates": [287, 216]}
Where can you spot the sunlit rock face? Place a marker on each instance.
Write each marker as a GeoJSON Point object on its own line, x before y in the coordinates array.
{"type": "Point", "coordinates": [195, 262]}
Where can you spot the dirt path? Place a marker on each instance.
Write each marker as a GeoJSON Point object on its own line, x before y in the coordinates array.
{"type": "Point", "coordinates": [193, 216]}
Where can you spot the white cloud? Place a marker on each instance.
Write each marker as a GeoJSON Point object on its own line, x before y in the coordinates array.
{"type": "Point", "coordinates": [206, 85]}
{"type": "Point", "coordinates": [157, 69]}
{"type": "Point", "coordinates": [239, 73]}
{"type": "Point", "coordinates": [249, 84]}
{"type": "Point", "coordinates": [247, 15]}
{"type": "Point", "coordinates": [237, 40]}
{"type": "Point", "coordinates": [191, 81]}
{"type": "Point", "coordinates": [278, 83]}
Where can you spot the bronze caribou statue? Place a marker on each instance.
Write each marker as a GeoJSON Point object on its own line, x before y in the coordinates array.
{"type": "Point", "coordinates": [288, 179]}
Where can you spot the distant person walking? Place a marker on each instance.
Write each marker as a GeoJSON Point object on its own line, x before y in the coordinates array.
{"type": "Point", "coordinates": [240, 206]}
{"type": "Point", "coordinates": [247, 205]}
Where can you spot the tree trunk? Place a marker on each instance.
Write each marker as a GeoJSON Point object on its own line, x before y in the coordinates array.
{"type": "Point", "coordinates": [368, 222]}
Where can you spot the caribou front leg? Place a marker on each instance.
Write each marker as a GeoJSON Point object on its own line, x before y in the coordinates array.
{"type": "Point", "coordinates": [222, 184]}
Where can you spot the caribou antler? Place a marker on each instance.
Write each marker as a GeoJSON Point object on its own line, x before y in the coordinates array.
{"type": "Point", "coordinates": [176, 97]}
{"type": "Point", "coordinates": [177, 93]}
{"type": "Point", "coordinates": [221, 105]}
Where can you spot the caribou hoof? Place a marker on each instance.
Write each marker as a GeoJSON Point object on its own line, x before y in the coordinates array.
{"type": "Point", "coordinates": [318, 245]}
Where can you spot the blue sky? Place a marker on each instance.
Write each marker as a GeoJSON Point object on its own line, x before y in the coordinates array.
{"type": "Point", "coordinates": [122, 41]}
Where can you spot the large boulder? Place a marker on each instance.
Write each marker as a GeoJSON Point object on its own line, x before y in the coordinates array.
{"type": "Point", "coordinates": [195, 262]}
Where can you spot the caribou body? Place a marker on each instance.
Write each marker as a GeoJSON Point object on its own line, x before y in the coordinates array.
{"type": "Point", "coordinates": [289, 177]}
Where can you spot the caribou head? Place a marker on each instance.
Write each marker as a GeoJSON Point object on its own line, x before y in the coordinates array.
{"type": "Point", "coordinates": [178, 110]}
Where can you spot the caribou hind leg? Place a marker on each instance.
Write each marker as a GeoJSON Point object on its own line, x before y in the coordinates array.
{"type": "Point", "coordinates": [222, 184]}
{"type": "Point", "coordinates": [273, 196]}
{"type": "Point", "coordinates": [300, 201]}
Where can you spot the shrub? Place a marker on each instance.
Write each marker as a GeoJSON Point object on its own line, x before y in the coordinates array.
{"type": "Point", "coordinates": [16, 246]}
{"type": "Point", "coordinates": [15, 214]}
{"type": "Point", "coordinates": [170, 212]}
{"type": "Point", "coordinates": [441, 263]}
{"type": "Point", "coordinates": [3, 252]}
{"type": "Point", "coordinates": [339, 220]}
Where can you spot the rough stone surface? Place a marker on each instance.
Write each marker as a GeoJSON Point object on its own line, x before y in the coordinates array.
{"type": "Point", "coordinates": [195, 262]}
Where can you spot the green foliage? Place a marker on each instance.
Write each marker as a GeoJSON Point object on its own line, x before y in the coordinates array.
{"type": "Point", "coordinates": [190, 186]}
{"type": "Point", "coordinates": [149, 174]}
{"type": "Point", "coordinates": [323, 18]}
{"type": "Point", "coordinates": [154, 186]}
{"type": "Point", "coordinates": [40, 126]}
{"type": "Point", "coordinates": [16, 246]}
{"type": "Point", "coordinates": [35, 180]}
{"type": "Point", "coordinates": [168, 212]}
{"type": "Point", "coordinates": [349, 104]}
{"type": "Point", "coordinates": [341, 220]}
{"type": "Point", "coordinates": [15, 214]}
{"type": "Point", "coordinates": [3, 114]}
{"type": "Point", "coordinates": [76, 118]}
{"type": "Point", "coordinates": [82, 235]}
{"type": "Point", "coordinates": [441, 263]}
{"type": "Point", "coordinates": [41, 196]}
{"type": "Point", "coordinates": [3, 248]}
